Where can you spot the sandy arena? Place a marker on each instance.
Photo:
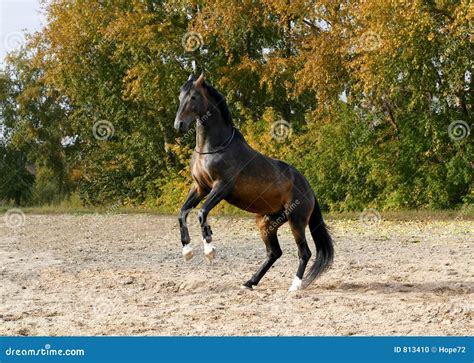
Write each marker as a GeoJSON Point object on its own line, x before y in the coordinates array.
{"type": "Point", "coordinates": [124, 275]}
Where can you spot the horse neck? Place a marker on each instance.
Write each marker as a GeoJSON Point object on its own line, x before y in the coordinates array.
{"type": "Point", "coordinates": [212, 131]}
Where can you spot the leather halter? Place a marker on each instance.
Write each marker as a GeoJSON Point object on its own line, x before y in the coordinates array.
{"type": "Point", "coordinates": [224, 146]}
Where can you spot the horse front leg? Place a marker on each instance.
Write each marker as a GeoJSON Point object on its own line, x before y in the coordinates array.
{"type": "Point", "coordinates": [219, 192]}
{"type": "Point", "coordinates": [194, 197]}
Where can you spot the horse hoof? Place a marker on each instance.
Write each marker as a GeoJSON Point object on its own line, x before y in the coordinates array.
{"type": "Point", "coordinates": [209, 251]}
{"type": "Point", "coordinates": [295, 285]}
{"type": "Point", "coordinates": [187, 252]}
{"type": "Point", "coordinates": [247, 286]}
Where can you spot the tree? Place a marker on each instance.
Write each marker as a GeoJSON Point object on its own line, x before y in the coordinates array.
{"type": "Point", "coordinates": [32, 116]}
{"type": "Point", "coordinates": [370, 93]}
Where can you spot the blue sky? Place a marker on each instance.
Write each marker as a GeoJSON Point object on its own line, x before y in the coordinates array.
{"type": "Point", "coordinates": [15, 17]}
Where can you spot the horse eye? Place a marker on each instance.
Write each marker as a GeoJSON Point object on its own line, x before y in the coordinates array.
{"type": "Point", "coordinates": [193, 97]}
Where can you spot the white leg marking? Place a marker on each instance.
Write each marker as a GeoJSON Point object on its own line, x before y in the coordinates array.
{"type": "Point", "coordinates": [187, 252]}
{"type": "Point", "coordinates": [296, 284]}
{"type": "Point", "coordinates": [209, 250]}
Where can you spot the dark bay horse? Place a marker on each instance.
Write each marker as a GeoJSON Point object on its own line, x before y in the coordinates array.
{"type": "Point", "coordinates": [225, 167]}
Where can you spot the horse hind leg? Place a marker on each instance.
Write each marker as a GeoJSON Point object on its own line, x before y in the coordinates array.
{"type": "Point", "coordinates": [268, 226]}
{"type": "Point", "coordinates": [298, 226]}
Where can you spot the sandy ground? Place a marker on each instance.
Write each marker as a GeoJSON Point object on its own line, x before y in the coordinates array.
{"type": "Point", "coordinates": [124, 275]}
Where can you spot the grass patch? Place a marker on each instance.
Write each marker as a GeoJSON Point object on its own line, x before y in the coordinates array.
{"type": "Point", "coordinates": [466, 213]}
{"type": "Point", "coordinates": [411, 215]}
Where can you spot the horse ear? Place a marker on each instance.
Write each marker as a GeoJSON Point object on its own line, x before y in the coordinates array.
{"type": "Point", "coordinates": [199, 81]}
{"type": "Point", "coordinates": [191, 77]}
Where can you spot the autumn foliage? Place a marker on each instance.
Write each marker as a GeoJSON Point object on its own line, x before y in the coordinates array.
{"type": "Point", "coordinates": [378, 96]}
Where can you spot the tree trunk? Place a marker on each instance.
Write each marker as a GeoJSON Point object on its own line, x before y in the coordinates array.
{"type": "Point", "coordinates": [17, 199]}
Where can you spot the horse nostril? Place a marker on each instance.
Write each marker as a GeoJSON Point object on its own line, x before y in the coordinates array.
{"type": "Point", "coordinates": [178, 125]}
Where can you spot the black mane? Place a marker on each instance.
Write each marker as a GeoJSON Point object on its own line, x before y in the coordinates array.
{"type": "Point", "coordinates": [217, 96]}
{"type": "Point", "coordinates": [221, 103]}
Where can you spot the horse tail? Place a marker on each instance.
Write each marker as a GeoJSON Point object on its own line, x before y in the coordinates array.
{"type": "Point", "coordinates": [324, 245]}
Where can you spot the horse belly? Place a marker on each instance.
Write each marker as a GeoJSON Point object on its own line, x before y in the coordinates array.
{"type": "Point", "coordinates": [257, 197]}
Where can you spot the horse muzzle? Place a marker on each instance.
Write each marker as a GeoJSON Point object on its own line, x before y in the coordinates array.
{"type": "Point", "coordinates": [183, 123]}
{"type": "Point", "coordinates": [179, 125]}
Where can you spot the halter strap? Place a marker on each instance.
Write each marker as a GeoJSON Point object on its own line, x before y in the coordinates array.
{"type": "Point", "coordinates": [223, 147]}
